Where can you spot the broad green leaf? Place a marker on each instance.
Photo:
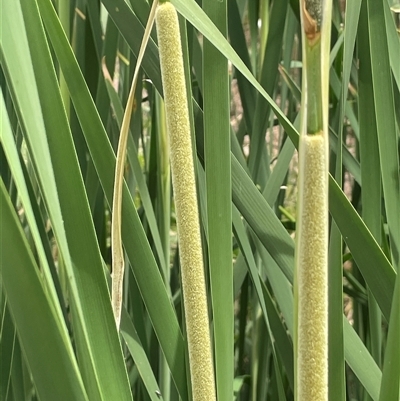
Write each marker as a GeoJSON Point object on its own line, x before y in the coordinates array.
{"type": "Point", "coordinates": [11, 153]}
{"type": "Point", "coordinates": [99, 352]}
{"type": "Point", "coordinates": [45, 341]}
{"type": "Point", "coordinates": [361, 361]}
{"type": "Point", "coordinates": [370, 168]}
{"type": "Point", "coordinates": [359, 239]}
{"type": "Point", "coordinates": [387, 139]}
{"type": "Point", "coordinates": [216, 109]}
{"type": "Point", "coordinates": [385, 123]}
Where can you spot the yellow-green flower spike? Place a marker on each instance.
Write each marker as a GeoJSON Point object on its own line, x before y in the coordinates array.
{"type": "Point", "coordinates": [183, 180]}
{"type": "Point", "coordinates": [311, 274]}
{"type": "Point", "coordinates": [311, 291]}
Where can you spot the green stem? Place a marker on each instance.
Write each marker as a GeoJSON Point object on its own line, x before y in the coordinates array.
{"type": "Point", "coordinates": [314, 87]}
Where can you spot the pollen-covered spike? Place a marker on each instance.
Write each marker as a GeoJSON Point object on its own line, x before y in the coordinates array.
{"type": "Point", "coordinates": [183, 180]}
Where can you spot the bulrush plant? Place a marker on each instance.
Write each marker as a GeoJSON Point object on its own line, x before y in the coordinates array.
{"type": "Point", "coordinates": [57, 200]}
{"type": "Point", "coordinates": [183, 181]}
{"type": "Point", "coordinates": [311, 286]}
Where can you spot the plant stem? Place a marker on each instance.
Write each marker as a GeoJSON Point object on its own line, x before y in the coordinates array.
{"type": "Point", "coordinates": [314, 92]}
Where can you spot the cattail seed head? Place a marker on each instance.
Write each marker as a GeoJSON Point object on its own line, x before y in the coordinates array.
{"type": "Point", "coordinates": [311, 272]}
{"type": "Point", "coordinates": [183, 180]}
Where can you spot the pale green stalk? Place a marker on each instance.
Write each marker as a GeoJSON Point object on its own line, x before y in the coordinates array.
{"type": "Point", "coordinates": [311, 275]}
{"type": "Point", "coordinates": [187, 218]}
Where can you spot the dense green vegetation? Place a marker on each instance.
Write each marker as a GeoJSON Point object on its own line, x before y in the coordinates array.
{"type": "Point", "coordinates": [65, 73]}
